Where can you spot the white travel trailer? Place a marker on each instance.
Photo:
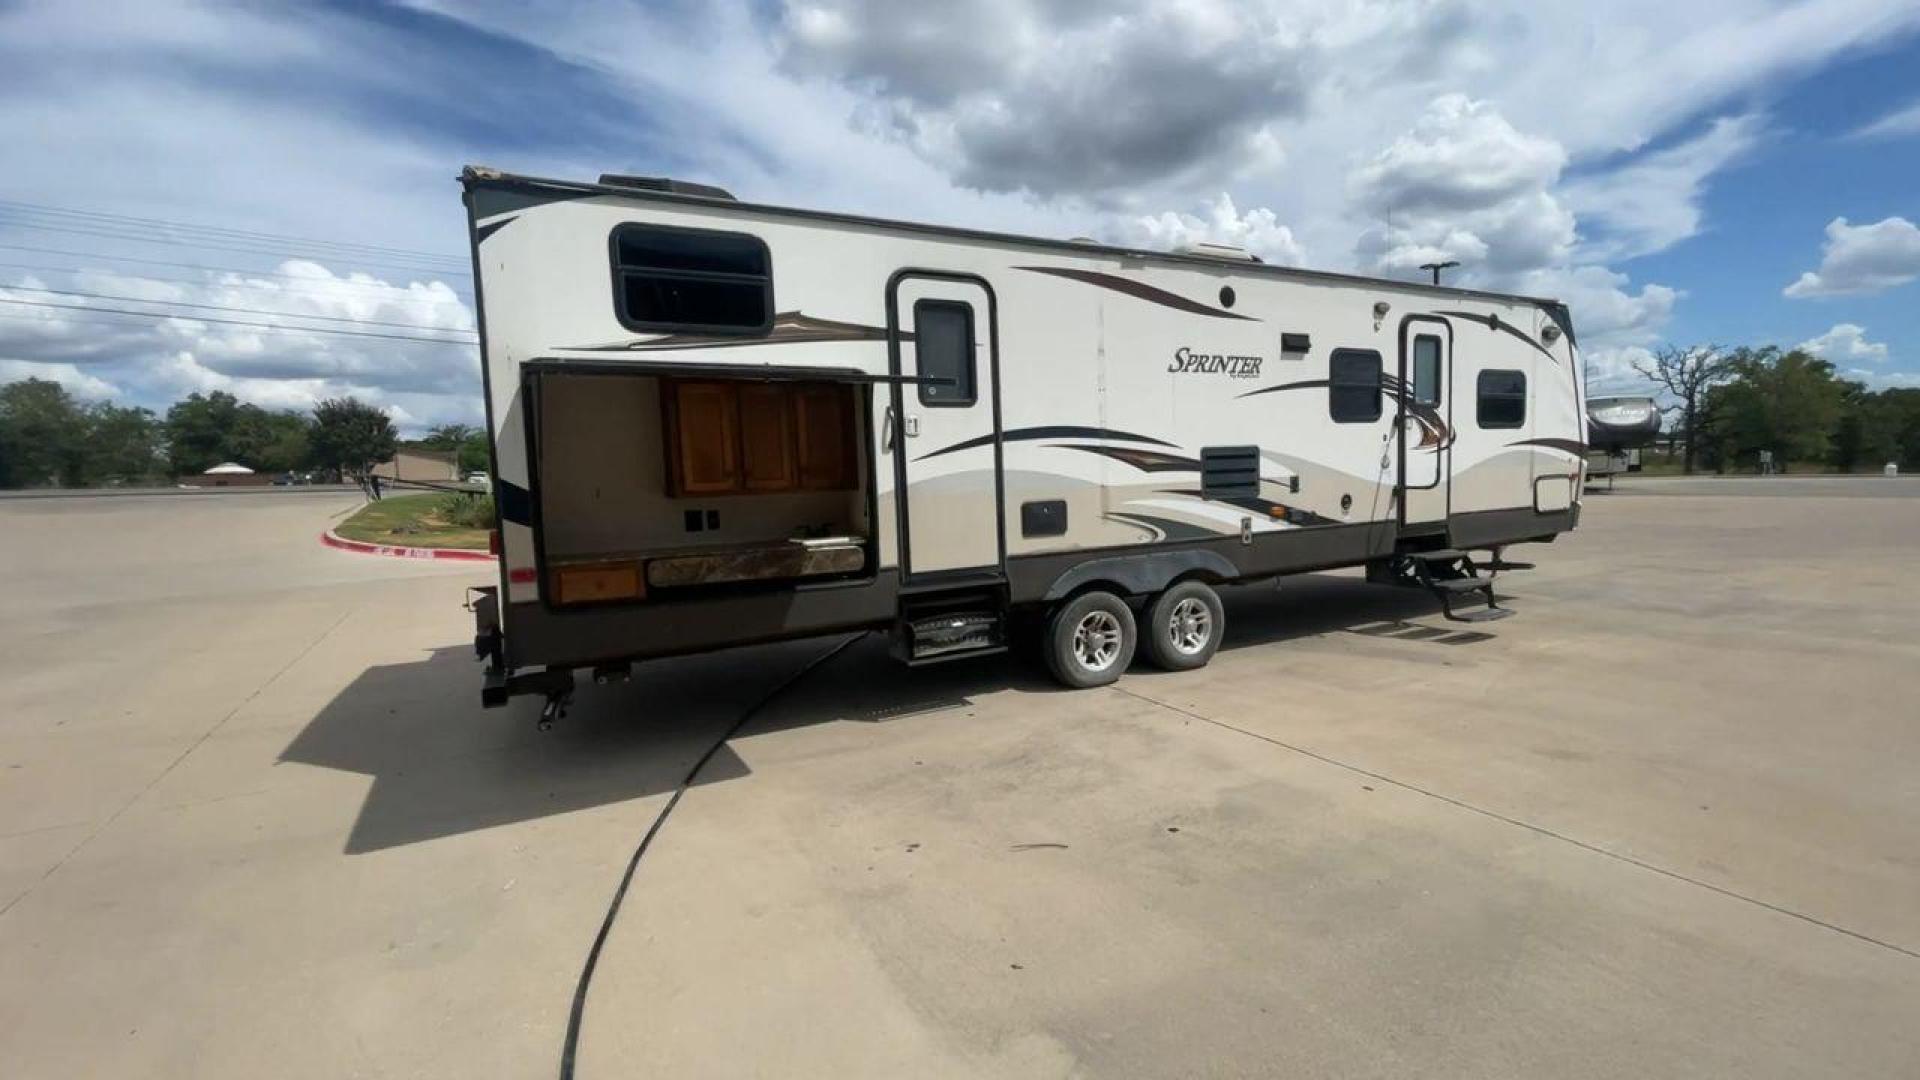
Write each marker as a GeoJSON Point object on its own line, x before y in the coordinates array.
{"type": "Point", "coordinates": [717, 423]}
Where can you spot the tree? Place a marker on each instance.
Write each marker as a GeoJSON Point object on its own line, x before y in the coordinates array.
{"type": "Point", "coordinates": [351, 436]}
{"type": "Point", "coordinates": [122, 444]}
{"type": "Point", "coordinates": [475, 455]}
{"type": "Point", "coordinates": [200, 432]}
{"type": "Point", "coordinates": [42, 435]}
{"type": "Point", "coordinates": [1788, 403]}
{"type": "Point", "coordinates": [288, 443]}
{"type": "Point", "coordinates": [448, 436]}
{"type": "Point", "coordinates": [1687, 374]}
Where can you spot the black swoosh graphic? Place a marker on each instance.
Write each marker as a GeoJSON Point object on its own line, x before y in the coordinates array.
{"type": "Point", "coordinates": [1293, 515]}
{"type": "Point", "coordinates": [789, 328]}
{"type": "Point", "coordinates": [1433, 427]}
{"type": "Point", "coordinates": [1571, 446]}
{"type": "Point", "coordinates": [485, 231]}
{"type": "Point", "coordinates": [1167, 527]}
{"type": "Point", "coordinates": [1139, 290]}
{"type": "Point", "coordinates": [1497, 323]}
{"type": "Point", "coordinates": [1053, 431]}
{"type": "Point", "coordinates": [1145, 460]}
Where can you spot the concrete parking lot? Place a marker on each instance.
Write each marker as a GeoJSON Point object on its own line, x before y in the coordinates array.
{"type": "Point", "coordinates": [1664, 822]}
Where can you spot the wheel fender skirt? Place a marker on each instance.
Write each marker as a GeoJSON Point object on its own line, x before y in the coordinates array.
{"type": "Point", "coordinates": [1148, 572]}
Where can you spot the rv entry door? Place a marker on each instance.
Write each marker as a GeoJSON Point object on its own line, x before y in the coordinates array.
{"type": "Point", "coordinates": [1426, 422]}
{"type": "Point", "coordinates": [944, 425]}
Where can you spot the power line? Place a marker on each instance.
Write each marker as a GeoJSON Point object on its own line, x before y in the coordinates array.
{"type": "Point", "coordinates": [270, 327]}
{"type": "Point", "coordinates": [331, 282]}
{"type": "Point", "coordinates": [405, 296]}
{"type": "Point", "coordinates": [219, 229]}
{"type": "Point", "coordinates": [126, 237]}
{"type": "Point", "coordinates": [238, 310]}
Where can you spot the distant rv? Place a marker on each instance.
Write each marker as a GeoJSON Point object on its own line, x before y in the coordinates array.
{"type": "Point", "coordinates": [717, 423]}
{"type": "Point", "coordinates": [1617, 429]}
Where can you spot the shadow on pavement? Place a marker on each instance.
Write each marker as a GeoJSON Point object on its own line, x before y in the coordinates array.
{"type": "Point", "coordinates": [442, 766]}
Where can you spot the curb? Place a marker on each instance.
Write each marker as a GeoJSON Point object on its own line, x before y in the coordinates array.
{"type": "Point", "coordinates": [335, 540]}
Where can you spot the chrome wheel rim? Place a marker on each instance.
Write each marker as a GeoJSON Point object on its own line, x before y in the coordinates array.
{"type": "Point", "coordinates": [1096, 640]}
{"type": "Point", "coordinates": [1189, 626]}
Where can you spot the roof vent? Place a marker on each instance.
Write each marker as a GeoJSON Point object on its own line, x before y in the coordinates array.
{"type": "Point", "coordinates": [1082, 240]}
{"type": "Point", "coordinates": [1218, 251]}
{"type": "Point", "coordinates": [666, 184]}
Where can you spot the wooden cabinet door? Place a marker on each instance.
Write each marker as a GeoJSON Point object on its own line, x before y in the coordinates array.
{"type": "Point", "coordinates": [704, 442]}
{"type": "Point", "coordinates": [823, 423]}
{"type": "Point", "coordinates": [766, 437]}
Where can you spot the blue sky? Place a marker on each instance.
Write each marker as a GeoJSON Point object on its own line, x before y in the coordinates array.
{"type": "Point", "coordinates": [1670, 170]}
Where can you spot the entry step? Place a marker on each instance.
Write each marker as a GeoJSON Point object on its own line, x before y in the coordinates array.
{"type": "Point", "coordinates": [1459, 585]}
{"type": "Point", "coordinates": [1485, 614]}
{"type": "Point", "coordinates": [952, 635]}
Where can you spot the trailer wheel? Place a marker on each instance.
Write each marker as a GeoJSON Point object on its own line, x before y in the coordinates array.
{"type": "Point", "coordinates": [1090, 640]}
{"type": "Point", "coordinates": [1183, 626]}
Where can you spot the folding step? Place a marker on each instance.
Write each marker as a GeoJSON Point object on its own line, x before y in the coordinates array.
{"type": "Point", "coordinates": [1436, 555]}
{"type": "Point", "coordinates": [1459, 585]}
{"type": "Point", "coordinates": [936, 627]}
{"type": "Point", "coordinates": [1485, 614]}
{"type": "Point", "coordinates": [1498, 565]}
{"type": "Point", "coordinates": [954, 634]}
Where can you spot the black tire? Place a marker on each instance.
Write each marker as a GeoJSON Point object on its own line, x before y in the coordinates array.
{"type": "Point", "coordinates": [1183, 626]}
{"type": "Point", "coordinates": [1090, 627]}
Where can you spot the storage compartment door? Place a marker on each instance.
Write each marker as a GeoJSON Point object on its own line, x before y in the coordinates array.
{"type": "Point", "coordinates": [944, 430]}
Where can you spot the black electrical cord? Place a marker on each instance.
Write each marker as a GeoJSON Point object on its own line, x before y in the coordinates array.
{"type": "Point", "coordinates": [578, 1012]}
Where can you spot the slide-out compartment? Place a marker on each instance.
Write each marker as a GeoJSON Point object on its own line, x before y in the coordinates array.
{"type": "Point", "coordinates": [657, 486]}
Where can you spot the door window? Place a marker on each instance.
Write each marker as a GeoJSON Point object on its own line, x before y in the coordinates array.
{"type": "Point", "coordinates": [943, 340]}
{"type": "Point", "coordinates": [1426, 370]}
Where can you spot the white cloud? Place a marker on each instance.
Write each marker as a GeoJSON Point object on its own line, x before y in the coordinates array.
{"type": "Point", "coordinates": [1652, 203]}
{"type": "Point", "coordinates": [1063, 98]}
{"type": "Point", "coordinates": [1882, 380]}
{"type": "Point", "coordinates": [1258, 231]}
{"type": "Point", "coordinates": [1151, 120]}
{"type": "Point", "coordinates": [1463, 184]}
{"type": "Point", "coordinates": [1862, 259]}
{"type": "Point", "coordinates": [307, 355]}
{"type": "Point", "coordinates": [1846, 343]}
{"type": "Point", "coordinates": [1612, 371]}
{"type": "Point", "coordinates": [78, 382]}
{"type": "Point", "coordinates": [1898, 123]}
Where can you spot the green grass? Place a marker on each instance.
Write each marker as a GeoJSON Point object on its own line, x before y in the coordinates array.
{"type": "Point", "coordinates": [413, 520]}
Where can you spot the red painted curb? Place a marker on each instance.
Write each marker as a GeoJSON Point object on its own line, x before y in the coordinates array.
{"type": "Point", "coordinates": [334, 540]}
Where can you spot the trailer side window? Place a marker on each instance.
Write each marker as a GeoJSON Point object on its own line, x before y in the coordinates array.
{"type": "Point", "coordinates": [943, 341]}
{"type": "Point", "coordinates": [1426, 370]}
{"type": "Point", "coordinates": [691, 280]}
{"type": "Point", "coordinates": [1353, 386]}
{"type": "Point", "coordinates": [1503, 399]}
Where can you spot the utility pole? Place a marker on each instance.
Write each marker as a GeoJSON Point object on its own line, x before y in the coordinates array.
{"type": "Point", "coordinates": [1436, 267]}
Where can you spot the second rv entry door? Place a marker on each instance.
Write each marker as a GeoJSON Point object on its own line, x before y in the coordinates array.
{"type": "Point", "coordinates": [1426, 441]}
{"type": "Point", "coordinates": [944, 433]}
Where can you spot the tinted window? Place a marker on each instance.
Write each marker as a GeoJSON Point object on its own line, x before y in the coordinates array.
{"type": "Point", "coordinates": [1353, 391]}
{"type": "Point", "coordinates": [943, 341]}
{"type": "Point", "coordinates": [1503, 399]}
{"type": "Point", "coordinates": [690, 279]}
{"type": "Point", "coordinates": [1426, 370]}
